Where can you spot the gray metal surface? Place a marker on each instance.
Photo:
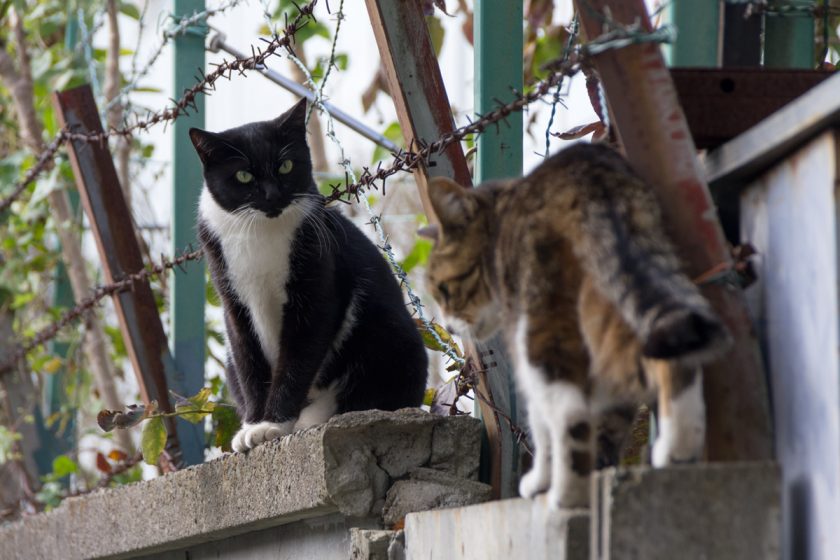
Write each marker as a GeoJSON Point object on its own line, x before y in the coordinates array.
{"type": "Point", "coordinates": [217, 43]}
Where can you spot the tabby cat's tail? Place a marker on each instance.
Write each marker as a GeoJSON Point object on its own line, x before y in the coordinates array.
{"type": "Point", "coordinates": [622, 245]}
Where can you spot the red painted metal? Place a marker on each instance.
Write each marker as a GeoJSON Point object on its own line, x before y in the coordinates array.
{"type": "Point", "coordinates": [653, 130]}
{"type": "Point", "coordinates": [103, 201]}
{"type": "Point", "coordinates": [424, 113]}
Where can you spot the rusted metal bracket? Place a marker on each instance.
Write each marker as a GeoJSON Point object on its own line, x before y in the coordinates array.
{"type": "Point", "coordinates": [416, 85]}
{"type": "Point", "coordinates": [103, 201]}
{"type": "Point", "coordinates": [653, 130]}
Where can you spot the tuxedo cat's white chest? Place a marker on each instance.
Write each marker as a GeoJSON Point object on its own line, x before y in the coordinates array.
{"type": "Point", "coordinates": [257, 251]}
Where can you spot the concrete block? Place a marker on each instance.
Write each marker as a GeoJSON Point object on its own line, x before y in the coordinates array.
{"type": "Point", "coordinates": [344, 466]}
{"type": "Point", "coordinates": [427, 489]}
{"type": "Point", "coordinates": [368, 544]}
{"type": "Point", "coordinates": [508, 529]}
{"type": "Point", "coordinates": [701, 512]}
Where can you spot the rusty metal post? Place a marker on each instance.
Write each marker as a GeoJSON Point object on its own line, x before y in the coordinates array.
{"type": "Point", "coordinates": [103, 201]}
{"type": "Point", "coordinates": [653, 130]}
{"type": "Point", "coordinates": [423, 109]}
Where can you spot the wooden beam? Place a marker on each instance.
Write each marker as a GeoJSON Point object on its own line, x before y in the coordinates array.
{"type": "Point", "coordinates": [654, 133]}
{"type": "Point", "coordinates": [416, 85]}
{"type": "Point", "coordinates": [111, 223]}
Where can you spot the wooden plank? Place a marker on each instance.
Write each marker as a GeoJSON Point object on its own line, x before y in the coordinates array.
{"type": "Point", "coordinates": [790, 214]}
{"type": "Point", "coordinates": [654, 133]}
{"type": "Point", "coordinates": [721, 103]}
{"type": "Point", "coordinates": [773, 138]}
{"type": "Point", "coordinates": [423, 109]}
{"type": "Point", "coordinates": [103, 201]}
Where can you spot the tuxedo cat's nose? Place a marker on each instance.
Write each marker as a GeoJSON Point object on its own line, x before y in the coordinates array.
{"type": "Point", "coordinates": [272, 194]}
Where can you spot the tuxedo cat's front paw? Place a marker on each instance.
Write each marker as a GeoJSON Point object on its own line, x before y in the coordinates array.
{"type": "Point", "coordinates": [251, 435]}
{"type": "Point", "coordinates": [536, 481]}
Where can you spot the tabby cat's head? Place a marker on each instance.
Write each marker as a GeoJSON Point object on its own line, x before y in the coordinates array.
{"type": "Point", "coordinates": [262, 166]}
{"type": "Point", "coordinates": [457, 270]}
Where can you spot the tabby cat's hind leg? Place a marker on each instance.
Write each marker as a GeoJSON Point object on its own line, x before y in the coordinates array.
{"type": "Point", "coordinates": [572, 446]}
{"type": "Point", "coordinates": [538, 479]}
{"type": "Point", "coordinates": [681, 422]}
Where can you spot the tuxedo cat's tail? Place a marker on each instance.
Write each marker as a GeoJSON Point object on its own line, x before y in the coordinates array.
{"type": "Point", "coordinates": [618, 235]}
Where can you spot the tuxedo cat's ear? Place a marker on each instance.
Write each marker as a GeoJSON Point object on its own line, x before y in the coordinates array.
{"type": "Point", "coordinates": [294, 117]}
{"type": "Point", "coordinates": [204, 142]}
{"type": "Point", "coordinates": [452, 203]}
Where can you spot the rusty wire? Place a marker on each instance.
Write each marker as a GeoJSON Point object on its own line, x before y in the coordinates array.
{"type": "Point", "coordinates": [86, 305]}
{"type": "Point", "coordinates": [408, 160]}
{"type": "Point", "coordinates": [403, 160]}
{"type": "Point", "coordinates": [203, 85]}
{"type": "Point", "coordinates": [206, 82]}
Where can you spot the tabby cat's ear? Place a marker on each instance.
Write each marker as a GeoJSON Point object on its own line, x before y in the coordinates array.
{"type": "Point", "coordinates": [205, 143]}
{"type": "Point", "coordinates": [294, 117]}
{"type": "Point", "coordinates": [452, 203]}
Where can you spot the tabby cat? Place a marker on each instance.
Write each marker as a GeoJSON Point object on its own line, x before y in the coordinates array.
{"type": "Point", "coordinates": [572, 264]}
{"type": "Point", "coordinates": [315, 321]}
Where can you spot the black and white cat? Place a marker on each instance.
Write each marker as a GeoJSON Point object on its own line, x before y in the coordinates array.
{"type": "Point", "coordinates": [316, 324]}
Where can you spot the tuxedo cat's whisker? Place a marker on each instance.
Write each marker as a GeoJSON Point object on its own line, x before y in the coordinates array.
{"type": "Point", "coordinates": [291, 287]}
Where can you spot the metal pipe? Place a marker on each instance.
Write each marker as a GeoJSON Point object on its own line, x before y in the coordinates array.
{"type": "Point", "coordinates": [217, 43]}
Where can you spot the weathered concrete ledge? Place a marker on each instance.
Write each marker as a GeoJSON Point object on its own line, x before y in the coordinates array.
{"type": "Point", "coordinates": [345, 466]}
{"type": "Point", "coordinates": [691, 512]}
{"type": "Point", "coordinates": [511, 529]}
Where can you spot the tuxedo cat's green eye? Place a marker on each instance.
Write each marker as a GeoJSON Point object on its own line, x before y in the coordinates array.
{"type": "Point", "coordinates": [285, 167]}
{"type": "Point", "coordinates": [244, 177]}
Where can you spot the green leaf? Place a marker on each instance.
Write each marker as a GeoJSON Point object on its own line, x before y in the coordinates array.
{"type": "Point", "coordinates": [436, 33]}
{"type": "Point", "coordinates": [211, 296]}
{"type": "Point", "coordinates": [130, 10]}
{"type": "Point", "coordinates": [432, 343]}
{"type": "Point", "coordinates": [62, 466]}
{"type": "Point", "coordinates": [225, 426]}
{"type": "Point", "coordinates": [429, 396]}
{"type": "Point", "coordinates": [393, 133]}
{"type": "Point", "coordinates": [153, 440]}
{"type": "Point", "coordinates": [196, 407]}
{"type": "Point", "coordinates": [419, 254]}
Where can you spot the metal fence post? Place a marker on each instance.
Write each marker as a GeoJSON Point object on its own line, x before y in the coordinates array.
{"type": "Point", "coordinates": [187, 288]}
{"type": "Point", "coordinates": [498, 59]}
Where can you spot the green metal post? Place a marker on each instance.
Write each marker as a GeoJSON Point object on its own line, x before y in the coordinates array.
{"type": "Point", "coordinates": [789, 39]}
{"type": "Point", "coordinates": [498, 74]}
{"type": "Point", "coordinates": [187, 288]}
{"type": "Point", "coordinates": [498, 77]}
{"type": "Point", "coordinates": [698, 33]}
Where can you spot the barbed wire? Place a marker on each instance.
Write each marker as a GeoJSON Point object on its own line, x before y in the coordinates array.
{"type": "Point", "coordinates": [86, 305]}
{"type": "Point", "coordinates": [408, 160]}
{"type": "Point", "coordinates": [573, 32]}
{"type": "Point", "coordinates": [403, 161]}
{"type": "Point", "coordinates": [375, 219]}
{"type": "Point", "coordinates": [181, 26]}
{"type": "Point", "coordinates": [203, 85]}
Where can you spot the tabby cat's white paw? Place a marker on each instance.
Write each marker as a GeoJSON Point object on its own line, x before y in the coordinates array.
{"type": "Point", "coordinates": [251, 435]}
{"type": "Point", "coordinates": [678, 442]}
{"type": "Point", "coordinates": [534, 482]}
{"type": "Point", "coordinates": [572, 493]}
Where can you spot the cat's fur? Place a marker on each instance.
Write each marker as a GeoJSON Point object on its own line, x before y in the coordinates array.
{"type": "Point", "coordinates": [572, 263]}
{"type": "Point", "coordinates": [315, 321]}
